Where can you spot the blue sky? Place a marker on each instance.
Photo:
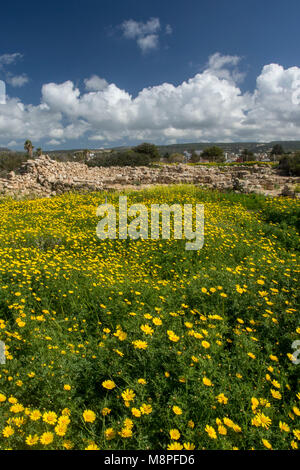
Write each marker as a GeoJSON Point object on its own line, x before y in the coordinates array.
{"type": "Point", "coordinates": [103, 73]}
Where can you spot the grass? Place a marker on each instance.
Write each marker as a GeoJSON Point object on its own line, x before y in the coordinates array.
{"type": "Point", "coordinates": [251, 163]}
{"type": "Point", "coordinates": [140, 344]}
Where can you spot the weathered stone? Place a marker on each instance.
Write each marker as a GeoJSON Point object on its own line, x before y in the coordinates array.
{"type": "Point", "coordinates": [44, 177]}
{"type": "Point", "coordinates": [287, 191]}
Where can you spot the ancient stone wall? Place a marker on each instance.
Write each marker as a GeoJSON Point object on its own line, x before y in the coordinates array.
{"type": "Point", "coordinates": [45, 177]}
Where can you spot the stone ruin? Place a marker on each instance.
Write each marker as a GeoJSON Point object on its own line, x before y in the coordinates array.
{"type": "Point", "coordinates": [44, 177]}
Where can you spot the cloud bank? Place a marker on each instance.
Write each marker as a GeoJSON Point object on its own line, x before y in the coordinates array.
{"type": "Point", "coordinates": [207, 107]}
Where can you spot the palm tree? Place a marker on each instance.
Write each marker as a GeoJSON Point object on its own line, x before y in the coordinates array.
{"type": "Point", "coordinates": [29, 147]}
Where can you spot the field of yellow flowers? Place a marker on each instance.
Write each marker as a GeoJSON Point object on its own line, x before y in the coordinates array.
{"type": "Point", "coordinates": [140, 344]}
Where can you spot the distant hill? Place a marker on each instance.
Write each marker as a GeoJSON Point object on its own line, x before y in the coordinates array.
{"type": "Point", "coordinates": [234, 147]}
{"type": "Point", "coordinates": [289, 145]}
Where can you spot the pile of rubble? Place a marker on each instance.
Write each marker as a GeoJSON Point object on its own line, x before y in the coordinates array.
{"type": "Point", "coordinates": [44, 177]}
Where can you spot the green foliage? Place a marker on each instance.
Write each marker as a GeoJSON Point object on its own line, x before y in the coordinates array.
{"type": "Point", "coordinates": [38, 152]}
{"type": "Point", "coordinates": [247, 155]}
{"type": "Point", "coordinates": [277, 150]}
{"type": "Point", "coordinates": [72, 307]}
{"type": "Point", "coordinates": [147, 149]}
{"type": "Point", "coordinates": [290, 164]}
{"type": "Point", "coordinates": [10, 161]}
{"type": "Point", "coordinates": [194, 158]}
{"type": "Point", "coordinates": [213, 153]}
{"type": "Point", "coordinates": [221, 164]}
{"type": "Point", "coordinates": [126, 158]}
{"type": "Point", "coordinates": [176, 158]}
{"type": "Point", "coordinates": [28, 147]}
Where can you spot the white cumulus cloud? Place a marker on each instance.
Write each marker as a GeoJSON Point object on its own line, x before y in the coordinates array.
{"type": "Point", "coordinates": [95, 83]}
{"type": "Point", "coordinates": [53, 142]}
{"type": "Point", "coordinates": [209, 106]}
{"type": "Point", "coordinates": [133, 29]}
{"type": "Point", "coordinates": [17, 80]}
{"type": "Point", "coordinates": [225, 66]}
{"type": "Point", "coordinates": [7, 60]}
{"type": "Point", "coordinates": [146, 43]}
{"type": "Point", "coordinates": [145, 34]}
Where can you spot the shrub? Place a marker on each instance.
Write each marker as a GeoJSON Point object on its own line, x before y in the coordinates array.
{"type": "Point", "coordinates": [147, 149]}
{"type": "Point", "coordinates": [128, 158]}
{"type": "Point", "coordinates": [176, 158]}
{"type": "Point", "coordinates": [11, 161]}
{"type": "Point", "coordinates": [290, 165]}
{"type": "Point", "coordinates": [213, 153]}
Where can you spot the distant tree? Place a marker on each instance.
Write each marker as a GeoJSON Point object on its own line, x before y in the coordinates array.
{"type": "Point", "coordinates": [213, 153]}
{"type": "Point", "coordinates": [194, 157]}
{"type": "Point", "coordinates": [11, 161]}
{"type": "Point", "coordinates": [147, 149]}
{"type": "Point", "coordinates": [81, 156]}
{"type": "Point", "coordinates": [176, 158]}
{"type": "Point", "coordinates": [277, 150]}
{"type": "Point", "coordinates": [122, 158]}
{"type": "Point", "coordinates": [289, 165]}
{"type": "Point", "coordinates": [247, 155]}
{"type": "Point", "coordinates": [28, 147]}
{"type": "Point", "coordinates": [39, 151]}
